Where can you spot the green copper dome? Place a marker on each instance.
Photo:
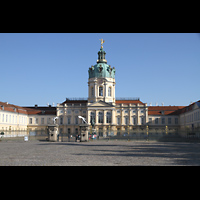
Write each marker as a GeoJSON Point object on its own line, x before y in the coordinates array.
{"type": "Point", "coordinates": [101, 69]}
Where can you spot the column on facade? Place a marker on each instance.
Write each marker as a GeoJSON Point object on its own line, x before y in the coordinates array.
{"type": "Point", "coordinates": [96, 117]}
{"type": "Point", "coordinates": [122, 116]}
{"type": "Point", "coordinates": [104, 117]}
{"type": "Point", "coordinates": [105, 90]}
{"type": "Point", "coordinates": [88, 117]}
{"type": "Point", "coordinates": [138, 116]}
{"type": "Point", "coordinates": [88, 89]}
{"type": "Point", "coordinates": [130, 121]}
{"type": "Point", "coordinates": [113, 91]}
{"type": "Point", "coordinates": [146, 113]}
{"type": "Point", "coordinates": [72, 118]}
{"type": "Point", "coordinates": [95, 90]}
{"type": "Point", "coordinates": [113, 117]}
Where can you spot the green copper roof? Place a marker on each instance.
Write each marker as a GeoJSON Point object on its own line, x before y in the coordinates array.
{"type": "Point", "coordinates": [101, 69]}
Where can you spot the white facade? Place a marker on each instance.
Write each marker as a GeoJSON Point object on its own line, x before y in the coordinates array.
{"type": "Point", "coordinates": [13, 120]}
{"type": "Point", "coordinates": [190, 117]}
{"type": "Point", "coordinates": [101, 89]}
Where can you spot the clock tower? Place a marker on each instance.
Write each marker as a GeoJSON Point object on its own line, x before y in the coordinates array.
{"type": "Point", "coordinates": [101, 82]}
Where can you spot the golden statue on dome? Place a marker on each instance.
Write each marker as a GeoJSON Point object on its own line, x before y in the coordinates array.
{"type": "Point", "coordinates": [102, 41]}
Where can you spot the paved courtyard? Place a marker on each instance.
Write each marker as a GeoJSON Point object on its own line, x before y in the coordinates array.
{"type": "Point", "coordinates": [101, 153]}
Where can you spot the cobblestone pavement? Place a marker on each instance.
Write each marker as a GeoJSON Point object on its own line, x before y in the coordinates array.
{"type": "Point", "coordinates": [103, 153]}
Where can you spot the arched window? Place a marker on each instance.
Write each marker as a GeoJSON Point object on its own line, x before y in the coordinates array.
{"type": "Point", "coordinates": [109, 91]}
{"type": "Point", "coordinates": [101, 91]}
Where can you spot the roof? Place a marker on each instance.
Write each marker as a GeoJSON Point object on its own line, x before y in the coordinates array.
{"type": "Point", "coordinates": [75, 101]}
{"type": "Point", "coordinates": [12, 108]}
{"type": "Point", "coordinates": [41, 110]}
{"type": "Point", "coordinates": [190, 107]}
{"type": "Point", "coordinates": [129, 102]}
{"type": "Point", "coordinates": [164, 110]}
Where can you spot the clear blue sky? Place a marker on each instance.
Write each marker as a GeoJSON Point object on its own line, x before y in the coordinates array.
{"type": "Point", "coordinates": [37, 68]}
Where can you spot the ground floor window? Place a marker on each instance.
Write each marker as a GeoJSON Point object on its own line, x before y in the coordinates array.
{"type": "Point", "coordinates": [108, 117]}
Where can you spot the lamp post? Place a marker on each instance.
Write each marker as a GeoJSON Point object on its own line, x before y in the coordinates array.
{"type": "Point", "coordinates": [166, 130]}
{"type": "Point", "coordinates": [147, 129]}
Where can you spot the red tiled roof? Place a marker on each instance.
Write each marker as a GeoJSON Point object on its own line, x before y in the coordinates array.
{"type": "Point", "coordinates": [27, 110]}
{"type": "Point", "coordinates": [165, 110]}
{"type": "Point", "coordinates": [129, 102]}
{"type": "Point", "coordinates": [12, 108]}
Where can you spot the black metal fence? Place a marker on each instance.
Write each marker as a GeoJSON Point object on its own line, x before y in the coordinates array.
{"type": "Point", "coordinates": [42, 135]}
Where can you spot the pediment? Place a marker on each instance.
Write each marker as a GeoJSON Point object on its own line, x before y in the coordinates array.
{"type": "Point", "coordinates": [100, 104]}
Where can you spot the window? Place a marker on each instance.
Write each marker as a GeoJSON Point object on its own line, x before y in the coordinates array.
{"type": "Point", "coordinates": [48, 120]}
{"type": "Point", "coordinates": [100, 117]}
{"type": "Point", "coordinates": [142, 120]}
{"type": "Point", "coordinates": [169, 120]}
{"type": "Point", "coordinates": [100, 132]}
{"type": "Point", "coordinates": [42, 120]}
{"type": "Point", "coordinates": [76, 120]}
{"type": "Point", "coordinates": [150, 120]}
{"type": "Point", "coordinates": [134, 121]}
{"type": "Point", "coordinates": [109, 91]}
{"type": "Point", "coordinates": [30, 120]}
{"type": "Point", "coordinates": [118, 120]}
{"type": "Point", "coordinates": [118, 111]}
{"type": "Point", "coordinates": [36, 120]}
{"type": "Point", "coordinates": [126, 111]}
{"type": "Point", "coordinates": [92, 116]}
{"type": "Point", "coordinates": [69, 120]}
{"type": "Point", "coordinates": [156, 121]}
{"type": "Point", "coordinates": [126, 120]}
{"type": "Point", "coordinates": [163, 120]}
{"type": "Point", "coordinates": [61, 120]}
{"type": "Point", "coordinates": [69, 112]}
{"type": "Point", "coordinates": [176, 120]}
{"type": "Point", "coordinates": [108, 117]}
{"type": "Point", "coordinates": [100, 91]}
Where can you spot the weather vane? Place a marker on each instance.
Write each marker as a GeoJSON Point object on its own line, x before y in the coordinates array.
{"type": "Point", "coordinates": [102, 41]}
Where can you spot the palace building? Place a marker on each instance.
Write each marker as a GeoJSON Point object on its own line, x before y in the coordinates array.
{"type": "Point", "coordinates": [112, 116]}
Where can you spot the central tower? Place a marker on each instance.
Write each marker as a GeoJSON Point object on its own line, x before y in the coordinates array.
{"type": "Point", "coordinates": [101, 82]}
